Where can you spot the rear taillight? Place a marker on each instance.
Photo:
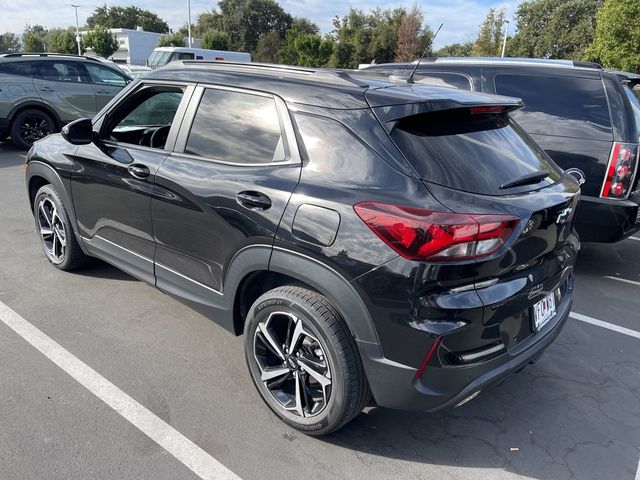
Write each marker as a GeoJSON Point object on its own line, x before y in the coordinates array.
{"type": "Point", "coordinates": [418, 234]}
{"type": "Point", "coordinates": [621, 170]}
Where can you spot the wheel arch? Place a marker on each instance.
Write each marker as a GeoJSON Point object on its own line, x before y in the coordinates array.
{"type": "Point", "coordinates": [43, 107]}
{"type": "Point", "coordinates": [39, 174]}
{"type": "Point", "coordinates": [286, 267]}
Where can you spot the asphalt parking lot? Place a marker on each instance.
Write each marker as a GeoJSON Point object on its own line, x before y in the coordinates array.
{"type": "Point", "coordinates": [574, 414]}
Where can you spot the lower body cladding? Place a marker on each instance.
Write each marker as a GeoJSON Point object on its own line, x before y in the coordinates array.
{"type": "Point", "coordinates": [607, 220]}
{"type": "Point", "coordinates": [448, 378]}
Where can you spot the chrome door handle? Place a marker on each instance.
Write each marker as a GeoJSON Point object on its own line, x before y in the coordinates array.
{"type": "Point", "coordinates": [139, 171]}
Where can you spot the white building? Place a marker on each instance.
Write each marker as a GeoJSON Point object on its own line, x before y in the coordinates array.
{"type": "Point", "coordinates": [136, 45]}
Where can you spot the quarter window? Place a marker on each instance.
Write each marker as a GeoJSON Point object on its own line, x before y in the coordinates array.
{"type": "Point", "coordinates": [236, 127]}
{"type": "Point", "coordinates": [16, 68]}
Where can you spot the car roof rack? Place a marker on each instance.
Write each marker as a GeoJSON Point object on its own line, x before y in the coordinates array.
{"type": "Point", "coordinates": [46, 54]}
{"type": "Point", "coordinates": [522, 61]}
{"type": "Point", "coordinates": [340, 76]}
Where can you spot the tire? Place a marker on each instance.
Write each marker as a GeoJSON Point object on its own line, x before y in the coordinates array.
{"type": "Point", "coordinates": [31, 125]}
{"type": "Point", "coordinates": [315, 384]}
{"type": "Point", "coordinates": [55, 231]}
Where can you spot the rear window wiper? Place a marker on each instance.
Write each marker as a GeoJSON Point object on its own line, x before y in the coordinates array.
{"type": "Point", "coordinates": [527, 179]}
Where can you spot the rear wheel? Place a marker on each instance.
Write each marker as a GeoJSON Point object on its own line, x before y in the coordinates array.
{"type": "Point", "coordinates": [55, 232]}
{"type": "Point", "coordinates": [303, 360]}
{"type": "Point", "coordinates": [29, 126]}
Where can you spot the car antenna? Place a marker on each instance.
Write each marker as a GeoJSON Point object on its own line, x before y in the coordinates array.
{"type": "Point", "coordinates": [410, 79]}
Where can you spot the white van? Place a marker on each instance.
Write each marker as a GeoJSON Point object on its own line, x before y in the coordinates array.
{"type": "Point", "coordinates": [163, 55]}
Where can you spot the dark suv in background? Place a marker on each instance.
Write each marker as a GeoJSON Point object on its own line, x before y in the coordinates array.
{"type": "Point", "coordinates": [368, 238]}
{"type": "Point", "coordinates": [583, 116]}
{"type": "Point", "coordinates": [41, 92]}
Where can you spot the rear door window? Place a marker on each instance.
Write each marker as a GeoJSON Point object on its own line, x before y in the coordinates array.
{"type": "Point", "coordinates": [562, 106]}
{"type": "Point", "coordinates": [69, 72]}
{"type": "Point", "coordinates": [236, 127]}
{"type": "Point", "coordinates": [472, 152]}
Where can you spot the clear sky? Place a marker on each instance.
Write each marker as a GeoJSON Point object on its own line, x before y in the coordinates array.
{"type": "Point", "coordinates": [461, 18]}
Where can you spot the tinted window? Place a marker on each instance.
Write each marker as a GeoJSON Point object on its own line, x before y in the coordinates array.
{"type": "Point", "coordinates": [16, 68]}
{"type": "Point", "coordinates": [182, 56]}
{"type": "Point", "coordinates": [236, 127]}
{"type": "Point", "coordinates": [475, 153]}
{"type": "Point", "coordinates": [444, 79]}
{"type": "Point", "coordinates": [105, 76]}
{"type": "Point", "coordinates": [566, 106]}
{"type": "Point", "coordinates": [145, 118]}
{"type": "Point", "coordinates": [72, 72]}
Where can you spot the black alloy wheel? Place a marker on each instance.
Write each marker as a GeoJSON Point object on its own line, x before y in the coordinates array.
{"type": "Point", "coordinates": [55, 232]}
{"type": "Point", "coordinates": [303, 360]}
{"type": "Point", "coordinates": [30, 126]}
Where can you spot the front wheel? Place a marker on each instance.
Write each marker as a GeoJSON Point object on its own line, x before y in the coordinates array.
{"type": "Point", "coordinates": [55, 231]}
{"type": "Point", "coordinates": [304, 361]}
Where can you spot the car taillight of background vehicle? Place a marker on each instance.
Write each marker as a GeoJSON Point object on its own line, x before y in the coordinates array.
{"type": "Point", "coordinates": [418, 234]}
{"type": "Point", "coordinates": [621, 170]}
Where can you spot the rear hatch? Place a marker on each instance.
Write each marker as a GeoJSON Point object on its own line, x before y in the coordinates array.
{"type": "Point", "coordinates": [475, 160]}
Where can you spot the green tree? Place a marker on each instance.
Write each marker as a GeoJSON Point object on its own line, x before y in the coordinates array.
{"type": "Point", "coordinates": [206, 21]}
{"type": "Point", "coordinates": [269, 48]}
{"type": "Point", "coordinates": [313, 50]}
{"type": "Point", "coordinates": [455, 50]}
{"type": "Point", "coordinates": [127, 17]}
{"type": "Point", "coordinates": [215, 40]}
{"type": "Point", "coordinates": [9, 42]}
{"type": "Point", "coordinates": [365, 37]}
{"type": "Point", "coordinates": [33, 38]}
{"type": "Point", "coordinates": [489, 40]}
{"type": "Point", "coordinates": [287, 52]}
{"type": "Point", "coordinates": [174, 40]}
{"type": "Point", "coordinates": [617, 36]}
{"type": "Point", "coordinates": [101, 41]}
{"type": "Point", "coordinates": [245, 21]}
{"type": "Point", "coordinates": [62, 40]}
{"type": "Point", "coordinates": [554, 28]}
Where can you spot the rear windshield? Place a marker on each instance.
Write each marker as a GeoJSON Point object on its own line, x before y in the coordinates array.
{"type": "Point", "coordinates": [471, 152]}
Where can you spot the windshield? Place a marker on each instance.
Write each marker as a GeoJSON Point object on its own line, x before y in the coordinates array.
{"type": "Point", "coordinates": [635, 104]}
{"type": "Point", "coordinates": [472, 152]}
{"type": "Point", "coordinates": [159, 58]}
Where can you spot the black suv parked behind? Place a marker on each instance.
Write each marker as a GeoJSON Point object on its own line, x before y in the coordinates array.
{"type": "Point", "coordinates": [582, 116]}
{"type": "Point", "coordinates": [409, 242]}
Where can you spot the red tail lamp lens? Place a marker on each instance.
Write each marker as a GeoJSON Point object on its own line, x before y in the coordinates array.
{"type": "Point", "coordinates": [418, 234]}
{"type": "Point", "coordinates": [621, 170]}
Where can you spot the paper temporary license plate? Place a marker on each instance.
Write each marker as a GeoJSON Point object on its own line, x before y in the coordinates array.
{"type": "Point", "coordinates": [543, 311]}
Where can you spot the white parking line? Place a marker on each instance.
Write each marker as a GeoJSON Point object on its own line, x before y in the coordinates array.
{"type": "Point", "coordinates": [183, 449]}
{"type": "Point", "coordinates": [638, 471]}
{"type": "Point", "coordinates": [631, 282]}
{"type": "Point", "coordinates": [637, 240]}
{"type": "Point", "coordinates": [607, 325]}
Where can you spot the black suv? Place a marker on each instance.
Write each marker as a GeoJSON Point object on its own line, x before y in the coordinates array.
{"type": "Point", "coordinates": [583, 116]}
{"type": "Point", "coordinates": [405, 241]}
{"type": "Point", "coordinates": [41, 92]}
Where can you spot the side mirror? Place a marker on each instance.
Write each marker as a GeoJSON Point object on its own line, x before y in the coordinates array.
{"type": "Point", "coordinates": [78, 132]}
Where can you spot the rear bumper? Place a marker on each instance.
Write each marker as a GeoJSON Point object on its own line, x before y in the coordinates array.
{"type": "Point", "coordinates": [607, 220]}
{"type": "Point", "coordinates": [394, 385]}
